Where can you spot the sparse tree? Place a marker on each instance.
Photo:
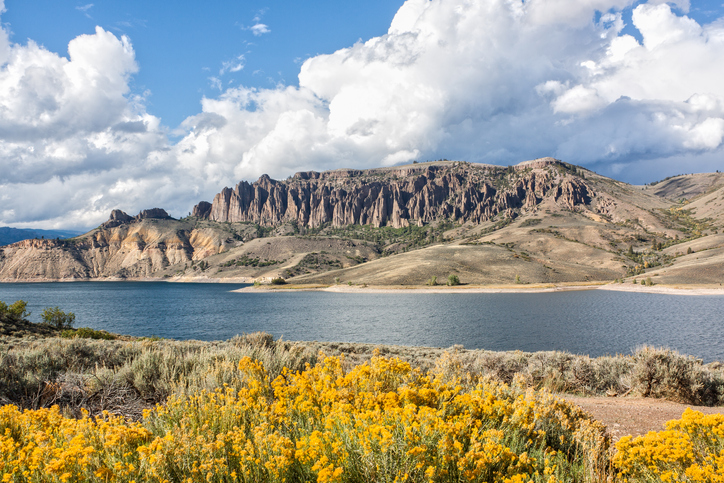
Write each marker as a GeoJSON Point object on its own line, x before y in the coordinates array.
{"type": "Point", "coordinates": [17, 310]}
{"type": "Point", "coordinates": [57, 318]}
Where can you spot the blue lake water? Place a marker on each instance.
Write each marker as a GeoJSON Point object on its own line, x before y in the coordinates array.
{"type": "Point", "coordinates": [594, 322]}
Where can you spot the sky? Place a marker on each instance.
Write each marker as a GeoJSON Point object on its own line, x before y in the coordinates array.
{"type": "Point", "coordinates": [133, 105]}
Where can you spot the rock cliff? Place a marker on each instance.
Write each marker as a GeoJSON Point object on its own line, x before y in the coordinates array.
{"type": "Point", "coordinates": [417, 194]}
{"type": "Point", "coordinates": [123, 247]}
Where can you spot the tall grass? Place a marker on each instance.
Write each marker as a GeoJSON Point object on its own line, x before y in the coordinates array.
{"type": "Point", "coordinates": [127, 376]}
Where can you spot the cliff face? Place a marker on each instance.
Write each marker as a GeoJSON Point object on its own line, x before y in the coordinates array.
{"type": "Point", "coordinates": [122, 247]}
{"type": "Point", "coordinates": [397, 197]}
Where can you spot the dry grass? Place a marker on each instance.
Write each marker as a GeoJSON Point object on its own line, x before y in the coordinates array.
{"type": "Point", "coordinates": [125, 376]}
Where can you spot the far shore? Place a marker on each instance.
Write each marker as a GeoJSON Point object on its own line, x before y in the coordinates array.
{"type": "Point", "coordinates": [673, 289]}
{"type": "Point", "coordinates": [531, 288]}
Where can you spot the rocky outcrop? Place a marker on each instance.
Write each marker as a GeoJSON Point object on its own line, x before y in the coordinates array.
{"type": "Point", "coordinates": [397, 197]}
{"type": "Point", "coordinates": [202, 210]}
{"type": "Point", "coordinates": [119, 217]}
{"type": "Point", "coordinates": [157, 213]}
{"type": "Point", "coordinates": [572, 192]}
{"type": "Point", "coordinates": [123, 247]}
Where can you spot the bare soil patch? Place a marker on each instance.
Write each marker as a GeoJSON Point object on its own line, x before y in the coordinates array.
{"type": "Point", "coordinates": [634, 415]}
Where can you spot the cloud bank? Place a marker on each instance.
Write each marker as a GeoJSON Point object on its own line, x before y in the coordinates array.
{"type": "Point", "coordinates": [497, 81]}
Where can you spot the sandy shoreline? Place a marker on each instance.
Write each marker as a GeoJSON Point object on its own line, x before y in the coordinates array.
{"type": "Point", "coordinates": [539, 288]}
{"type": "Point", "coordinates": [679, 289]}
{"type": "Point", "coordinates": [665, 289]}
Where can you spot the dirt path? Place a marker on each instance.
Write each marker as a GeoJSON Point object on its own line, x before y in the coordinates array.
{"type": "Point", "coordinates": [634, 415]}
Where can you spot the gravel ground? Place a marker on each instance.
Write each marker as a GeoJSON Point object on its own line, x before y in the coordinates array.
{"type": "Point", "coordinates": [635, 415]}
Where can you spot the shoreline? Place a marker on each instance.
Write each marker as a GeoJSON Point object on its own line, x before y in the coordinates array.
{"type": "Point", "coordinates": [533, 288]}
{"type": "Point", "coordinates": [674, 289]}
{"type": "Point", "coordinates": [413, 289]}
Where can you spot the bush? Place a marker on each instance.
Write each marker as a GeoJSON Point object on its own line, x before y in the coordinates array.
{"type": "Point", "coordinates": [87, 333]}
{"type": "Point", "coordinates": [16, 311]}
{"type": "Point", "coordinates": [517, 279]}
{"type": "Point", "coordinates": [453, 280]}
{"type": "Point", "coordinates": [432, 282]}
{"type": "Point", "coordinates": [278, 281]}
{"type": "Point", "coordinates": [57, 318]}
{"type": "Point", "coordinates": [667, 374]}
{"type": "Point", "coordinates": [257, 430]}
{"type": "Point", "coordinates": [689, 449]}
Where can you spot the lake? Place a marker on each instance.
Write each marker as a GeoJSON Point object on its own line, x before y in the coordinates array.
{"type": "Point", "coordinates": [594, 322]}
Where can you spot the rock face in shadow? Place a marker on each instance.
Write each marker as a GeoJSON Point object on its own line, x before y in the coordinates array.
{"type": "Point", "coordinates": [119, 217]}
{"type": "Point", "coordinates": [202, 210]}
{"type": "Point", "coordinates": [397, 197]}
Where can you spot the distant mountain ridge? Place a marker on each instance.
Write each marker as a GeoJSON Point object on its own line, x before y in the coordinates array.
{"type": "Point", "coordinates": [11, 235]}
{"type": "Point", "coordinates": [541, 221]}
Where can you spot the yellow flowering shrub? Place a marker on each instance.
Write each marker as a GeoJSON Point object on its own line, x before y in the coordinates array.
{"type": "Point", "coordinates": [689, 450]}
{"type": "Point", "coordinates": [379, 421]}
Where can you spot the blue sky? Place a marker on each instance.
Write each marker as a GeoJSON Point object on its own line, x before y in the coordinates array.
{"type": "Point", "coordinates": [130, 105]}
{"type": "Point", "coordinates": [180, 45]}
{"type": "Point", "coordinates": [179, 48]}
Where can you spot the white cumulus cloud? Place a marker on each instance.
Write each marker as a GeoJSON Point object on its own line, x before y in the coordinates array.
{"type": "Point", "coordinates": [495, 81]}
{"type": "Point", "coordinates": [489, 81]}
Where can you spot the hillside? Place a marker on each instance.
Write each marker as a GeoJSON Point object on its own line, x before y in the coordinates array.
{"type": "Point", "coordinates": [541, 221]}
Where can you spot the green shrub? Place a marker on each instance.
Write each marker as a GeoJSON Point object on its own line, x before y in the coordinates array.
{"type": "Point", "coordinates": [278, 281]}
{"type": "Point", "coordinates": [432, 282]}
{"type": "Point", "coordinates": [453, 280]}
{"type": "Point", "coordinates": [57, 318]}
{"type": "Point", "coordinates": [16, 311]}
{"type": "Point", "coordinates": [517, 279]}
{"type": "Point", "coordinates": [87, 333]}
{"type": "Point", "coordinates": [531, 222]}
